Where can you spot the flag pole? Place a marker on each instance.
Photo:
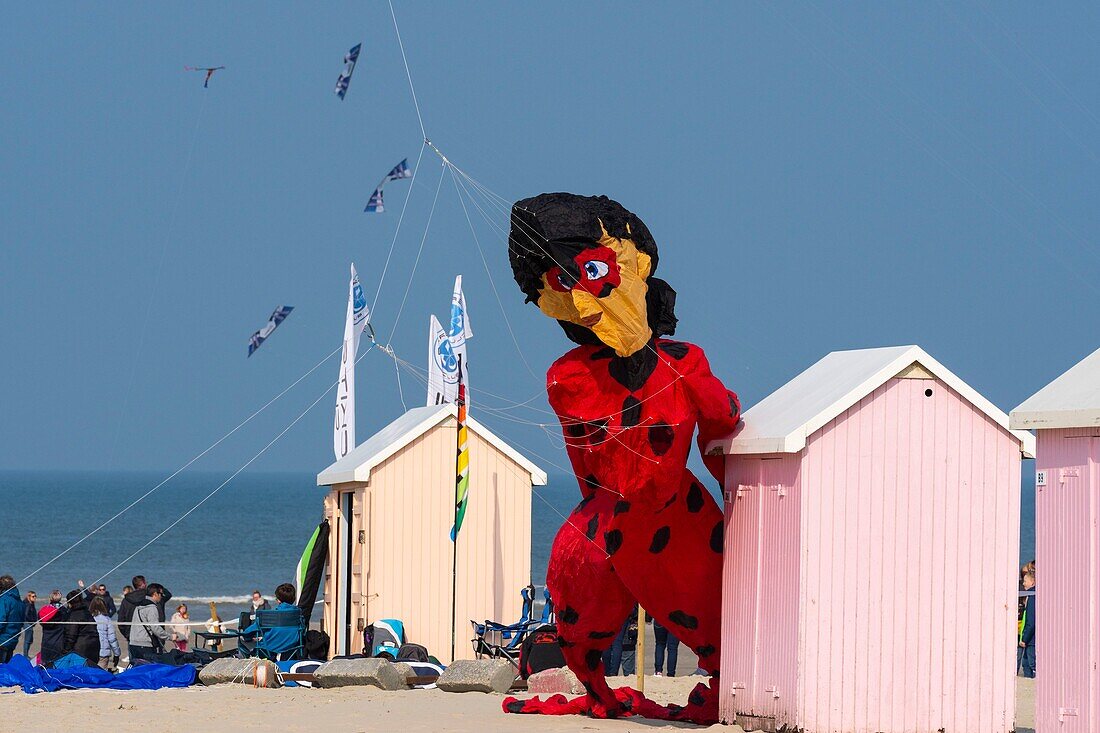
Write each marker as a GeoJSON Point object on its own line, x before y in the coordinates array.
{"type": "Point", "coordinates": [462, 479]}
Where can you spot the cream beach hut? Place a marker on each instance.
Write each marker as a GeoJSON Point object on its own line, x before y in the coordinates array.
{"type": "Point", "coordinates": [1065, 415]}
{"type": "Point", "coordinates": [391, 508]}
{"type": "Point", "coordinates": [872, 534]}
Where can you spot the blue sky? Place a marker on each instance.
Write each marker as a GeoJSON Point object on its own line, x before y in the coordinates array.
{"type": "Point", "coordinates": [818, 176]}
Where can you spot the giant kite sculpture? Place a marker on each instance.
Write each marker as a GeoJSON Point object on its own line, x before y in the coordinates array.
{"type": "Point", "coordinates": [629, 400]}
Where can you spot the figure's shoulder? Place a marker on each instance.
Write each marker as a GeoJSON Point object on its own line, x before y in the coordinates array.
{"type": "Point", "coordinates": [686, 355]}
{"type": "Point", "coordinates": [574, 361]}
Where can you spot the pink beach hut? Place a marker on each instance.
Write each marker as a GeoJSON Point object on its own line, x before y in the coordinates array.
{"type": "Point", "coordinates": [872, 538]}
{"type": "Point", "coordinates": [1065, 415]}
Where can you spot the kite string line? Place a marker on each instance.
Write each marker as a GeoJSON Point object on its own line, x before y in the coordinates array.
{"type": "Point", "coordinates": [236, 473]}
{"type": "Point", "coordinates": [401, 218]}
{"type": "Point", "coordinates": [182, 468]}
{"type": "Point", "coordinates": [492, 282]}
{"type": "Point", "coordinates": [408, 74]}
{"type": "Point", "coordinates": [416, 263]}
{"type": "Point", "coordinates": [156, 277]}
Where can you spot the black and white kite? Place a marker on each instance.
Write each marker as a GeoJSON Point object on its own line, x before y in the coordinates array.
{"type": "Point", "coordinates": [349, 66]}
{"type": "Point", "coordinates": [260, 336]}
{"type": "Point", "coordinates": [401, 170]}
{"type": "Point", "coordinates": [209, 72]}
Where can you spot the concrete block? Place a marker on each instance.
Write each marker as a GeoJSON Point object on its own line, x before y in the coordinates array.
{"type": "Point", "coordinates": [478, 675]}
{"type": "Point", "coordinates": [380, 673]}
{"type": "Point", "coordinates": [555, 680]}
{"type": "Point", "coordinates": [241, 671]}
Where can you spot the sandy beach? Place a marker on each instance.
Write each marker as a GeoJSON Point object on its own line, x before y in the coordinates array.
{"type": "Point", "coordinates": [239, 708]}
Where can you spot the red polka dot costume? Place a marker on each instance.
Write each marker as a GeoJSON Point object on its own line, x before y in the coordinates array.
{"type": "Point", "coordinates": [646, 530]}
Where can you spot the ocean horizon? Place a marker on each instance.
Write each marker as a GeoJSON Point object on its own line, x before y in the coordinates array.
{"type": "Point", "coordinates": [249, 535]}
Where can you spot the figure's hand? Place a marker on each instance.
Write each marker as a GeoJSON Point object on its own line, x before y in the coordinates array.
{"type": "Point", "coordinates": [80, 584]}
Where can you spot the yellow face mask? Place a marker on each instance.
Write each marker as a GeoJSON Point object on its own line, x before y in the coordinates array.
{"type": "Point", "coordinates": [602, 289]}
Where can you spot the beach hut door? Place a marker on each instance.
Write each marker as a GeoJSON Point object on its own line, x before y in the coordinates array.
{"type": "Point", "coordinates": [345, 633]}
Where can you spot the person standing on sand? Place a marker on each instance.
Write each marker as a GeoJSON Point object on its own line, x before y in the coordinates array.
{"type": "Point", "coordinates": [30, 618]}
{"type": "Point", "coordinates": [81, 636]}
{"type": "Point", "coordinates": [664, 642]}
{"type": "Point", "coordinates": [135, 598]}
{"type": "Point", "coordinates": [109, 650]}
{"type": "Point", "coordinates": [180, 628]}
{"type": "Point", "coordinates": [99, 591]}
{"type": "Point", "coordinates": [148, 636]}
{"type": "Point", "coordinates": [11, 617]}
{"type": "Point", "coordinates": [1025, 655]}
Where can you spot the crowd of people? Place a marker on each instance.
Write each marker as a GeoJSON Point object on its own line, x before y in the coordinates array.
{"type": "Point", "coordinates": [621, 656]}
{"type": "Point", "coordinates": [83, 622]}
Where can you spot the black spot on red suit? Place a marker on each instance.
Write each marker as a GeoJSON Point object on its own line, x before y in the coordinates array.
{"type": "Point", "coordinates": [601, 634]}
{"type": "Point", "coordinates": [612, 541]}
{"type": "Point", "coordinates": [697, 698]}
{"type": "Point", "coordinates": [676, 349]}
{"type": "Point", "coordinates": [569, 615]}
{"type": "Point", "coordinates": [591, 483]}
{"type": "Point", "coordinates": [717, 537]}
{"type": "Point", "coordinates": [695, 500]}
{"type": "Point", "coordinates": [660, 438]}
{"type": "Point", "coordinates": [705, 651]}
{"type": "Point", "coordinates": [592, 659]}
{"type": "Point", "coordinates": [686, 620]}
{"type": "Point", "coordinates": [598, 432]}
{"type": "Point", "coordinates": [632, 411]}
{"type": "Point", "coordinates": [622, 505]}
{"type": "Point", "coordinates": [575, 430]}
{"type": "Point", "coordinates": [593, 527]}
{"type": "Point", "coordinates": [516, 706]}
{"type": "Point", "coordinates": [660, 539]}
{"type": "Point", "coordinates": [584, 502]}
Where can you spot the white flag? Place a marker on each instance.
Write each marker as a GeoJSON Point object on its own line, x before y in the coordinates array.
{"type": "Point", "coordinates": [343, 426]}
{"type": "Point", "coordinates": [447, 364]}
{"type": "Point", "coordinates": [459, 333]}
{"type": "Point", "coordinates": [442, 366]}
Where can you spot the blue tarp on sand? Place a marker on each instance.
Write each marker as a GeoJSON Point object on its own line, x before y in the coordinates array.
{"type": "Point", "coordinates": [20, 673]}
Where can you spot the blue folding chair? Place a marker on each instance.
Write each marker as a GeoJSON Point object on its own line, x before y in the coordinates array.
{"type": "Point", "coordinates": [503, 641]}
{"type": "Point", "coordinates": [278, 635]}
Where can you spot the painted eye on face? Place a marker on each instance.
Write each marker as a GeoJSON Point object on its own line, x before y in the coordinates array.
{"type": "Point", "coordinates": [563, 281]}
{"type": "Point", "coordinates": [595, 269]}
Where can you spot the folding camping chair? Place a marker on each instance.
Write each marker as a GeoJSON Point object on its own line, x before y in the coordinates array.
{"type": "Point", "coordinates": [208, 640]}
{"type": "Point", "coordinates": [503, 641]}
{"type": "Point", "coordinates": [279, 635]}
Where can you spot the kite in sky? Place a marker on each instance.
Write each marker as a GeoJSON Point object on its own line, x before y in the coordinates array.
{"type": "Point", "coordinates": [401, 170]}
{"type": "Point", "coordinates": [209, 72]}
{"type": "Point", "coordinates": [260, 336]}
{"type": "Point", "coordinates": [349, 66]}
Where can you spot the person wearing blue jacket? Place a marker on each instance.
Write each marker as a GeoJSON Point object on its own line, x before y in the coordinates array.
{"type": "Point", "coordinates": [1025, 655]}
{"type": "Point", "coordinates": [12, 612]}
{"type": "Point", "coordinates": [277, 641]}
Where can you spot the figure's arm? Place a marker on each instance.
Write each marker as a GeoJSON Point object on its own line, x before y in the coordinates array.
{"type": "Point", "coordinates": [719, 409]}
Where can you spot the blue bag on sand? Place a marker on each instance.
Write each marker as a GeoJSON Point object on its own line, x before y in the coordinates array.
{"type": "Point", "coordinates": [19, 673]}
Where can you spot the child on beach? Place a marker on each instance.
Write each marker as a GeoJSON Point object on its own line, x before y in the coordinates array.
{"type": "Point", "coordinates": [109, 650]}
{"type": "Point", "coordinates": [180, 628]}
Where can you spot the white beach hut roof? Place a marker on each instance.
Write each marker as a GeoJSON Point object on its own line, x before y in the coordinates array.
{"type": "Point", "coordinates": [357, 465]}
{"type": "Point", "coordinates": [785, 419]}
{"type": "Point", "coordinates": [1070, 401]}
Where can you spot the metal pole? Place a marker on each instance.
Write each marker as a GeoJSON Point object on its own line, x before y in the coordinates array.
{"type": "Point", "coordinates": [639, 655]}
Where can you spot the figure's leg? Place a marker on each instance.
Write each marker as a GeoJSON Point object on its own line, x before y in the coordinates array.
{"type": "Point", "coordinates": [671, 560]}
{"type": "Point", "coordinates": [660, 638]}
{"type": "Point", "coordinates": [591, 603]}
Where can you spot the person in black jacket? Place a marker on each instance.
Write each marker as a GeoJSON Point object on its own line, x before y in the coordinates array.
{"type": "Point", "coordinates": [81, 638]}
{"type": "Point", "coordinates": [30, 617]}
{"type": "Point", "coordinates": [98, 591]}
{"type": "Point", "coordinates": [53, 633]}
{"type": "Point", "coordinates": [135, 598]}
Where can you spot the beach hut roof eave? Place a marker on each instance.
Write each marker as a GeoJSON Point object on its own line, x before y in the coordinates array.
{"type": "Point", "coordinates": [784, 420]}
{"type": "Point", "coordinates": [357, 465]}
{"type": "Point", "coordinates": [1070, 401]}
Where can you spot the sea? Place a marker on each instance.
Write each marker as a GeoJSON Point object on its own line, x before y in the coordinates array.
{"type": "Point", "coordinates": [61, 527]}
